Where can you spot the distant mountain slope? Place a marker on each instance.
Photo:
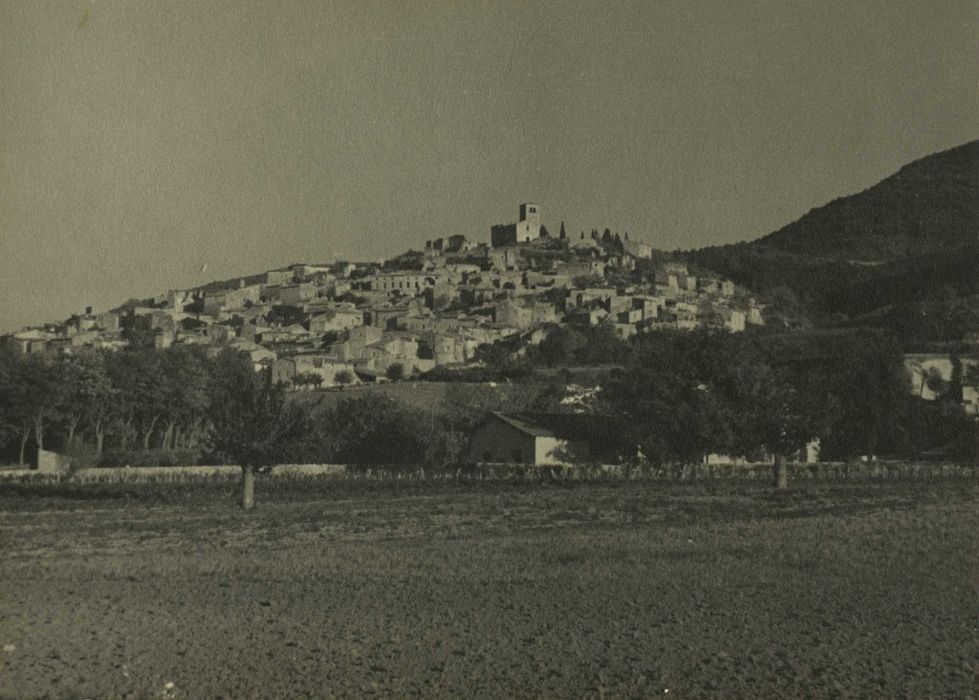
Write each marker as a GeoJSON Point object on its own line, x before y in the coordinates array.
{"type": "Point", "coordinates": [929, 205]}
{"type": "Point", "coordinates": [901, 254]}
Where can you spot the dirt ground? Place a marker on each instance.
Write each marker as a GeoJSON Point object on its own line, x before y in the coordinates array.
{"type": "Point", "coordinates": [630, 590]}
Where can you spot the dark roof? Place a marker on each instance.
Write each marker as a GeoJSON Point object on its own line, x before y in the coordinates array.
{"type": "Point", "coordinates": [565, 426]}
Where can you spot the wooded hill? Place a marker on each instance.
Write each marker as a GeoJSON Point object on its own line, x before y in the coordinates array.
{"type": "Point", "coordinates": [903, 254]}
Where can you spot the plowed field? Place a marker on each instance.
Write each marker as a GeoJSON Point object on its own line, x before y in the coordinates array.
{"type": "Point", "coordinates": [630, 590]}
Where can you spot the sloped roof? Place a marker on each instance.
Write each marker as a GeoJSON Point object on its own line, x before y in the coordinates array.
{"type": "Point", "coordinates": [565, 426]}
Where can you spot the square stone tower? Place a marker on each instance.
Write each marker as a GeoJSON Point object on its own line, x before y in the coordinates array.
{"type": "Point", "coordinates": [528, 227]}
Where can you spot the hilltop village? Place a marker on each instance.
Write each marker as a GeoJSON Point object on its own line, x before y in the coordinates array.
{"type": "Point", "coordinates": [346, 322]}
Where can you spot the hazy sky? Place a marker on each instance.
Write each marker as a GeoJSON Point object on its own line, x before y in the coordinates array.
{"type": "Point", "coordinates": [142, 140]}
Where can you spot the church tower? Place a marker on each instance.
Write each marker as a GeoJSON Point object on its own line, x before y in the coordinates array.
{"type": "Point", "coordinates": [528, 227]}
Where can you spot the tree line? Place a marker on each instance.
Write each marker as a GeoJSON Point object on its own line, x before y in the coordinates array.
{"type": "Point", "coordinates": [95, 400]}
{"type": "Point", "coordinates": [681, 395]}
{"type": "Point", "coordinates": [927, 297]}
{"type": "Point", "coordinates": [677, 396]}
{"type": "Point", "coordinates": [113, 406]}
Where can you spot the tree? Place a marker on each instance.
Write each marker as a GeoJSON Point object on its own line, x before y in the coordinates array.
{"type": "Point", "coordinates": [563, 235]}
{"type": "Point", "coordinates": [774, 410]}
{"type": "Point", "coordinates": [672, 417]}
{"type": "Point", "coordinates": [343, 377]}
{"type": "Point", "coordinates": [603, 345]}
{"type": "Point", "coordinates": [395, 371]}
{"type": "Point", "coordinates": [37, 390]}
{"type": "Point", "coordinates": [285, 315]}
{"type": "Point", "coordinates": [299, 380]}
{"type": "Point", "coordinates": [89, 395]}
{"type": "Point", "coordinates": [102, 409]}
{"type": "Point", "coordinates": [252, 422]}
{"type": "Point", "coordinates": [494, 354]}
{"type": "Point", "coordinates": [935, 382]}
{"type": "Point", "coordinates": [863, 374]}
{"type": "Point", "coordinates": [953, 393]}
{"type": "Point", "coordinates": [586, 281]}
{"type": "Point", "coordinates": [13, 420]}
{"type": "Point", "coordinates": [689, 394]}
{"type": "Point", "coordinates": [371, 430]}
{"type": "Point", "coordinates": [560, 347]}
{"type": "Point", "coordinates": [184, 396]}
{"type": "Point", "coordinates": [141, 383]}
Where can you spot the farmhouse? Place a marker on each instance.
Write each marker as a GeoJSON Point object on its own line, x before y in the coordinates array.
{"type": "Point", "coordinates": [543, 438]}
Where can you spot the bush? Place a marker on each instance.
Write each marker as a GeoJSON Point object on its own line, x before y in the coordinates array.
{"type": "Point", "coordinates": [368, 430]}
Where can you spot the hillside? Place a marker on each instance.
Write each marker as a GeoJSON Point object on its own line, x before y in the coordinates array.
{"type": "Point", "coordinates": [927, 206]}
{"type": "Point", "coordinates": [903, 254]}
{"type": "Point", "coordinates": [431, 399]}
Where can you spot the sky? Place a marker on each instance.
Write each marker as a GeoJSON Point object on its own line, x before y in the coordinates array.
{"type": "Point", "coordinates": [141, 141]}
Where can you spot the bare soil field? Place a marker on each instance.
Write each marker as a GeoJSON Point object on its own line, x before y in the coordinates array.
{"type": "Point", "coordinates": [631, 589]}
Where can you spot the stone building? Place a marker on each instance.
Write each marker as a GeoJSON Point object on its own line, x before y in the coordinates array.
{"type": "Point", "coordinates": [526, 229]}
{"type": "Point", "coordinates": [545, 438]}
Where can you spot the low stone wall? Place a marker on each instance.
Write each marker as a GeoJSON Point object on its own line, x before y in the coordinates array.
{"type": "Point", "coordinates": [820, 471]}
{"type": "Point", "coordinates": [178, 473]}
{"type": "Point", "coordinates": [197, 472]}
{"type": "Point", "coordinates": [154, 473]}
{"type": "Point", "coordinates": [823, 471]}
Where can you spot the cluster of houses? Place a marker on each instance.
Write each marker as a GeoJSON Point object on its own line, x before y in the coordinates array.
{"type": "Point", "coordinates": [350, 322]}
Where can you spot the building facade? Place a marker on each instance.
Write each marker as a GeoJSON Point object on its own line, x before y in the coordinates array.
{"type": "Point", "coordinates": [526, 229]}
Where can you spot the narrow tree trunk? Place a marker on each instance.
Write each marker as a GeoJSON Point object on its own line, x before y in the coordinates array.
{"type": "Point", "coordinates": [39, 432]}
{"type": "Point", "coordinates": [781, 473]}
{"type": "Point", "coordinates": [149, 433]}
{"type": "Point", "coordinates": [247, 487]}
{"type": "Point", "coordinates": [99, 440]}
{"type": "Point", "coordinates": [72, 426]}
{"type": "Point", "coordinates": [129, 435]}
{"type": "Point", "coordinates": [23, 444]}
